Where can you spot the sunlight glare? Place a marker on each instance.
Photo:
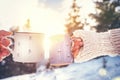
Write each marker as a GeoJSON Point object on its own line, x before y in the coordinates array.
{"type": "Point", "coordinates": [46, 47]}
{"type": "Point", "coordinates": [46, 20]}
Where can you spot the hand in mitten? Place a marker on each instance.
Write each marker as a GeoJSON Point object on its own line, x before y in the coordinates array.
{"type": "Point", "coordinates": [95, 45]}
{"type": "Point", "coordinates": [77, 44]}
{"type": "Point", "coordinates": [79, 38]}
{"type": "Point", "coordinates": [4, 43]}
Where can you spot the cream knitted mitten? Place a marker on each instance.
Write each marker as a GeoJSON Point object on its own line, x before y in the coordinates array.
{"type": "Point", "coordinates": [98, 44]}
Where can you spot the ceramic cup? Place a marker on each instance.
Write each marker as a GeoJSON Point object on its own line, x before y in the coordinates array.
{"type": "Point", "coordinates": [28, 47]}
{"type": "Point", "coordinates": [60, 50]}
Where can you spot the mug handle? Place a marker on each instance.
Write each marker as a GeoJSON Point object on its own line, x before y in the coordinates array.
{"type": "Point", "coordinates": [11, 46]}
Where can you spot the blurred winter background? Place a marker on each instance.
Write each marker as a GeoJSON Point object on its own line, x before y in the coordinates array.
{"type": "Point", "coordinates": [54, 16]}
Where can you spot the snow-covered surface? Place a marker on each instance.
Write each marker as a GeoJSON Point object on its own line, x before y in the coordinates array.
{"type": "Point", "coordinates": [90, 70]}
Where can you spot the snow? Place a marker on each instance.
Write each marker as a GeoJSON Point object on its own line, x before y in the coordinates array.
{"type": "Point", "coordinates": [89, 70]}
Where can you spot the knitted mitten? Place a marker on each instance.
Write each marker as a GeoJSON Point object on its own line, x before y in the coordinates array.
{"type": "Point", "coordinates": [97, 44]}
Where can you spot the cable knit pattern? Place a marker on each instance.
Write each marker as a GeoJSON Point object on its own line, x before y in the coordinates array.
{"type": "Point", "coordinates": [97, 44]}
{"type": "Point", "coordinates": [115, 39]}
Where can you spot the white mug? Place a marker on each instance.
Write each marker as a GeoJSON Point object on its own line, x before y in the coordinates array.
{"type": "Point", "coordinates": [28, 47]}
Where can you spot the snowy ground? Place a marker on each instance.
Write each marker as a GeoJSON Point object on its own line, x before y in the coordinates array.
{"type": "Point", "coordinates": [91, 70]}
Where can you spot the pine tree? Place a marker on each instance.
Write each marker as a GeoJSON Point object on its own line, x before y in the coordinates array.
{"type": "Point", "coordinates": [27, 26]}
{"type": "Point", "coordinates": [107, 18]}
{"type": "Point", "coordinates": [73, 22]}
